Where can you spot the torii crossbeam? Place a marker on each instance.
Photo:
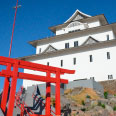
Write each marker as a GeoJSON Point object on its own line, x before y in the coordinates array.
{"type": "Point", "coordinates": [15, 74]}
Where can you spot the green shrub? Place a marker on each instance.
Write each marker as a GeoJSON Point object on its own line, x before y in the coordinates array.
{"type": "Point", "coordinates": [88, 96]}
{"type": "Point", "coordinates": [83, 103]}
{"type": "Point", "coordinates": [114, 108]}
{"type": "Point", "coordinates": [83, 109]}
{"type": "Point", "coordinates": [103, 105]}
{"type": "Point", "coordinates": [115, 95]}
{"type": "Point", "coordinates": [100, 104]}
{"type": "Point", "coordinates": [106, 95]}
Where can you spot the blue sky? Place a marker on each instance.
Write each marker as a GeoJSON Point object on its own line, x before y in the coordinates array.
{"type": "Point", "coordinates": [35, 16]}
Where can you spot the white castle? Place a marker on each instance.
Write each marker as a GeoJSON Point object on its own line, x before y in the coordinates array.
{"type": "Point", "coordinates": [83, 43]}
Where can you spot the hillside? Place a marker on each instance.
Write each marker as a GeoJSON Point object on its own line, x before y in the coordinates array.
{"type": "Point", "coordinates": [109, 86]}
{"type": "Point", "coordinates": [87, 102]}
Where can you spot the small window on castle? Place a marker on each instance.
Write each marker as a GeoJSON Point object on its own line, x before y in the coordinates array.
{"type": "Point", "coordinates": [48, 63]}
{"type": "Point", "coordinates": [108, 37]}
{"type": "Point", "coordinates": [91, 58]}
{"type": "Point", "coordinates": [39, 50]}
{"type": "Point", "coordinates": [76, 44]}
{"type": "Point", "coordinates": [92, 78]}
{"type": "Point", "coordinates": [66, 45]}
{"type": "Point", "coordinates": [110, 76]}
{"type": "Point", "coordinates": [108, 55]}
{"type": "Point", "coordinates": [62, 85]}
{"type": "Point", "coordinates": [61, 63]}
{"type": "Point", "coordinates": [74, 61]}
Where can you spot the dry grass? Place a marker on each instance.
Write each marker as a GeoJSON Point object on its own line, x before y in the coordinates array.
{"type": "Point", "coordinates": [78, 98]}
{"type": "Point", "coordinates": [52, 101]}
{"type": "Point", "coordinates": [68, 91]}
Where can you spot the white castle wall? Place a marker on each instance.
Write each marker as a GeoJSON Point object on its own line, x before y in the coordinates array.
{"type": "Point", "coordinates": [90, 24]}
{"type": "Point", "coordinates": [100, 68]}
{"type": "Point", "coordinates": [100, 36]}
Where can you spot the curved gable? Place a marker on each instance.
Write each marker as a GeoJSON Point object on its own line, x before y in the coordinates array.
{"type": "Point", "coordinates": [90, 40]}
{"type": "Point", "coordinates": [50, 48]}
{"type": "Point", "coordinates": [77, 16]}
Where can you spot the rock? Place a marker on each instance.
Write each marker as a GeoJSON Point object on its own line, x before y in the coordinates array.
{"type": "Point", "coordinates": [112, 102]}
{"type": "Point", "coordinates": [81, 113]}
{"type": "Point", "coordinates": [77, 90]}
{"type": "Point", "coordinates": [109, 108]}
{"type": "Point", "coordinates": [87, 102]}
{"type": "Point", "coordinates": [101, 94]}
{"type": "Point", "coordinates": [66, 110]}
{"type": "Point", "coordinates": [94, 103]}
{"type": "Point", "coordinates": [110, 96]}
{"type": "Point", "coordinates": [97, 108]}
{"type": "Point", "coordinates": [91, 107]}
{"type": "Point", "coordinates": [98, 112]}
{"type": "Point", "coordinates": [103, 101]}
{"type": "Point", "coordinates": [113, 99]}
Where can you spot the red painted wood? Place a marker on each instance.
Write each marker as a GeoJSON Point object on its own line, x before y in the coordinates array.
{"type": "Point", "coordinates": [32, 66]}
{"type": "Point", "coordinates": [48, 90]}
{"type": "Point", "coordinates": [32, 77]}
{"type": "Point", "coordinates": [57, 94]}
{"type": "Point", "coordinates": [5, 90]}
{"type": "Point", "coordinates": [12, 90]}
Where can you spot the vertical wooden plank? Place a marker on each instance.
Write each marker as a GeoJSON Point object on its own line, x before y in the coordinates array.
{"type": "Point", "coordinates": [12, 90]}
{"type": "Point", "coordinates": [57, 94]}
{"type": "Point", "coordinates": [5, 90]}
{"type": "Point", "coordinates": [48, 90]}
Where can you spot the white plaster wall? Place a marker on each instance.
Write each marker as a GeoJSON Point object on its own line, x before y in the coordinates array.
{"type": "Point", "coordinates": [100, 36]}
{"type": "Point", "coordinates": [92, 24]}
{"type": "Point", "coordinates": [61, 31]}
{"type": "Point", "coordinates": [67, 29]}
{"type": "Point", "coordinates": [27, 83]}
{"type": "Point", "coordinates": [100, 68]}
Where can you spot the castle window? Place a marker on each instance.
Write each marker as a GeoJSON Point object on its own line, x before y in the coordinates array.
{"type": "Point", "coordinates": [74, 30]}
{"type": "Point", "coordinates": [91, 58]}
{"type": "Point", "coordinates": [48, 63]}
{"type": "Point", "coordinates": [62, 85]}
{"type": "Point", "coordinates": [61, 63]}
{"type": "Point", "coordinates": [108, 37]}
{"type": "Point", "coordinates": [110, 76]}
{"type": "Point", "coordinates": [39, 50]}
{"type": "Point", "coordinates": [92, 78]}
{"type": "Point", "coordinates": [108, 55]}
{"type": "Point", "coordinates": [75, 43]}
{"type": "Point", "coordinates": [74, 61]}
{"type": "Point", "coordinates": [66, 45]}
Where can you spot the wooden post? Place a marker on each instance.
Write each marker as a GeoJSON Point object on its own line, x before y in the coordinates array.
{"type": "Point", "coordinates": [5, 91]}
{"type": "Point", "coordinates": [13, 90]}
{"type": "Point", "coordinates": [57, 95]}
{"type": "Point", "coordinates": [48, 90]}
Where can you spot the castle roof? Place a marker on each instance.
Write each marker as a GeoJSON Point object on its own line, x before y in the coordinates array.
{"type": "Point", "coordinates": [82, 48]}
{"type": "Point", "coordinates": [77, 15]}
{"type": "Point", "coordinates": [100, 17]}
{"type": "Point", "coordinates": [62, 36]}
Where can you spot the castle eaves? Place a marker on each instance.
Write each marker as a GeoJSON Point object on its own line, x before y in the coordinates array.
{"type": "Point", "coordinates": [58, 37]}
{"type": "Point", "coordinates": [83, 48]}
{"type": "Point", "coordinates": [101, 17]}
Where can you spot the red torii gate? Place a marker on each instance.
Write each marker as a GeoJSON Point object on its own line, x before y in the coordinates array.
{"type": "Point", "coordinates": [15, 74]}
